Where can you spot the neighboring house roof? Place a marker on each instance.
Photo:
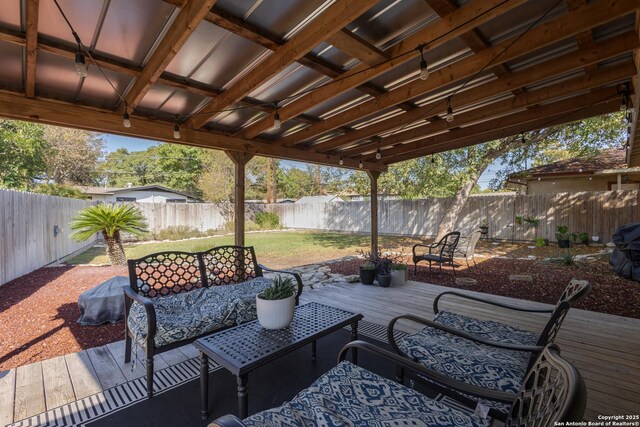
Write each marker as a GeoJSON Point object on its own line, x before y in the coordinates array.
{"type": "Point", "coordinates": [319, 199]}
{"type": "Point", "coordinates": [116, 190]}
{"type": "Point", "coordinates": [608, 159]}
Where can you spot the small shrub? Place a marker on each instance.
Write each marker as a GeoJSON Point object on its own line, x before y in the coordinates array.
{"type": "Point", "coordinates": [249, 225]}
{"type": "Point", "coordinates": [280, 289]}
{"type": "Point", "coordinates": [541, 241]}
{"type": "Point", "coordinates": [178, 232]}
{"type": "Point", "coordinates": [268, 220]}
{"type": "Point", "coordinates": [368, 266]}
{"type": "Point", "coordinates": [396, 266]}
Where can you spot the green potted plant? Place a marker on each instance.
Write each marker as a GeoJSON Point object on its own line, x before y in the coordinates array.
{"type": "Point", "coordinates": [367, 273]}
{"type": "Point", "coordinates": [399, 273]}
{"type": "Point", "coordinates": [563, 236]}
{"type": "Point", "coordinates": [583, 238]}
{"type": "Point", "coordinates": [275, 305]}
{"type": "Point", "coordinates": [541, 241]}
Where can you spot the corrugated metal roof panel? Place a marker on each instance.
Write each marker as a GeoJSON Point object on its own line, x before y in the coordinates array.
{"type": "Point", "coordinates": [83, 14]}
{"type": "Point", "coordinates": [56, 77]}
{"type": "Point", "coordinates": [131, 28]}
{"type": "Point", "coordinates": [11, 69]}
{"type": "Point", "coordinates": [10, 15]}
{"type": "Point", "coordinates": [97, 92]}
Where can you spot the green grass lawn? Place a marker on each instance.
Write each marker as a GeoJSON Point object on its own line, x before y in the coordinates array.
{"type": "Point", "coordinates": [276, 249]}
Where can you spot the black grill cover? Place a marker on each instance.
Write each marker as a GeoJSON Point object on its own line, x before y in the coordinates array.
{"type": "Point", "coordinates": [625, 258]}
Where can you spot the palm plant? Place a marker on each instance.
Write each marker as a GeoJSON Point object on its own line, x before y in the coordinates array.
{"type": "Point", "coordinates": [110, 220]}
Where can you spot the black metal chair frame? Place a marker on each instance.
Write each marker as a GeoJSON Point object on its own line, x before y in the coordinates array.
{"type": "Point", "coordinates": [203, 272]}
{"type": "Point", "coordinates": [444, 255]}
{"type": "Point", "coordinates": [552, 390]}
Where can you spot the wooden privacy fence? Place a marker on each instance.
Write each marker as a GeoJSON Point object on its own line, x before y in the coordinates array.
{"type": "Point", "coordinates": [27, 240]}
{"type": "Point", "coordinates": [592, 212]}
{"type": "Point", "coordinates": [201, 216]}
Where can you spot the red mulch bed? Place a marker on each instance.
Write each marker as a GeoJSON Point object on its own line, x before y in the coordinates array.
{"type": "Point", "coordinates": [610, 293]}
{"type": "Point", "coordinates": [38, 314]}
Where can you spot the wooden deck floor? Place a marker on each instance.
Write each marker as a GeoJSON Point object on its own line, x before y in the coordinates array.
{"type": "Point", "coordinates": [605, 349]}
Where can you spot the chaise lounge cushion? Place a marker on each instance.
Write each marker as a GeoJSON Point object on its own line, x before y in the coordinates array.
{"type": "Point", "coordinates": [348, 395]}
{"type": "Point", "coordinates": [487, 329]}
{"type": "Point", "coordinates": [197, 312]}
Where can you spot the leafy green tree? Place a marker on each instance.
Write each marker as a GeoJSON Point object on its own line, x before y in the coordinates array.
{"type": "Point", "coordinates": [73, 155]}
{"type": "Point", "coordinates": [22, 154]}
{"type": "Point", "coordinates": [110, 220]}
{"type": "Point", "coordinates": [59, 190]}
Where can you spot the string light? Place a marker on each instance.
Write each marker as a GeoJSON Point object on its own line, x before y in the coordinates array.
{"type": "Point", "coordinates": [80, 65]}
{"type": "Point", "coordinates": [276, 117]}
{"type": "Point", "coordinates": [624, 104]}
{"type": "Point", "coordinates": [433, 160]}
{"type": "Point", "coordinates": [341, 162]}
{"type": "Point", "coordinates": [449, 110]}
{"type": "Point", "coordinates": [424, 71]}
{"type": "Point", "coordinates": [125, 118]}
{"type": "Point", "coordinates": [360, 164]}
{"type": "Point", "coordinates": [176, 131]}
{"type": "Point", "coordinates": [378, 153]}
{"type": "Point", "coordinates": [522, 138]}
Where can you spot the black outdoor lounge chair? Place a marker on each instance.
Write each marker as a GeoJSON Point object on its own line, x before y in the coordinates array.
{"type": "Point", "coordinates": [553, 392]}
{"type": "Point", "coordinates": [484, 353]}
{"type": "Point", "coordinates": [440, 253]}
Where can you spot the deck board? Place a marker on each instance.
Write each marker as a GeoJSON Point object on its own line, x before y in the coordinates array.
{"type": "Point", "coordinates": [58, 389]}
{"type": "Point", "coordinates": [7, 390]}
{"type": "Point", "coordinates": [29, 394]}
{"type": "Point", "coordinates": [108, 371]}
{"type": "Point", "coordinates": [82, 374]}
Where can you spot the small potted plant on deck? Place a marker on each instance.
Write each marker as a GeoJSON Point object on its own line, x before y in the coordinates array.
{"type": "Point", "coordinates": [399, 273]}
{"type": "Point", "coordinates": [275, 305]}
{"type": "Point", "coordinates": [384, 276]}
{"type": "Point", "coordinates": [367, 273]}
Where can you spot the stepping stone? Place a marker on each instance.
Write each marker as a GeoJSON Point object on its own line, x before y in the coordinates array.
{"type": "Point", "coordinates": [520, 278]}
{"type": "Point", "coordinates": [466, 281]}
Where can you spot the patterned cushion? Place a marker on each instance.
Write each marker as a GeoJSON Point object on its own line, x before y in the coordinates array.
{"type": "Point", "coordinates": [487, 329]}
{"type": "Point", "coordinates": [191, 314]}
{"type": "Point", "coordinates": [468, 361]}
{"type": "Point", "coordinates": [348, 395]}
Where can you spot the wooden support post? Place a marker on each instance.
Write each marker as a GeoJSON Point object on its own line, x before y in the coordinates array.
{"type": "Point", "coordinates": [373, 177]}
{"type": "Point", "coordinates": [239, 160]}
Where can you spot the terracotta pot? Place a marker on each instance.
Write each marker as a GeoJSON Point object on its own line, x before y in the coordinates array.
{"type": "Point", "coordinates": [275, 314]}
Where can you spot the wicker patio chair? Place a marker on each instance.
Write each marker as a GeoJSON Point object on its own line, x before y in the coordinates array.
{"type": "Point", "coordinates": [484, 353]}
{"type": "Point", "coordinates": [440, 253]}
{"type": "Point", "coordinates": [553, 392]}
{"type": "Point", "coordinates": [467, 247]}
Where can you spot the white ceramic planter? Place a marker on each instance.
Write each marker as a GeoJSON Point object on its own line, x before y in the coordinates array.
{"type": "Point", "coordinates": [275, 314]}
{"type": "Point", "coordinates": [399, 277]}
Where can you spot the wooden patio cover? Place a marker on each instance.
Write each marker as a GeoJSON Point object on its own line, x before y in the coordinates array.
{"type": "Point", "coordinates": [341, 75]}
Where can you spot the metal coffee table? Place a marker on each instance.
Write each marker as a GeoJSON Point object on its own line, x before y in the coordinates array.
{"type": "Point", "coordinates": [248, 346]}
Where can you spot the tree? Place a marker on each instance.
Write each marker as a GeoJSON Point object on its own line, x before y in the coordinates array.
{"type": "Point", "coordinates": [110, 220]}
{"type": "Point", "coordinates": [73, 155]}
{"type": "Point", "coordinates": [541, 147]}
{"type": "Point", "coordinates": [22, 154]}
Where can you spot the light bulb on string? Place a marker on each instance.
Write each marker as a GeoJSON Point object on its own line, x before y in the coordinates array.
{"type": "Point", "coordinates": [449, 111]}
{"type": "Point", "coordinates": [176, 131]}
{"type": "Point", "coordinates": [276, 120]}
{"type": "Point", "coordinates": [522, 138]}
{"type": "Point", "coordinates": [424, 70]}
{"type": "Point", "coordinates": [378, 152]}
{"type": "Point", "coordinates": [80, 64]}
{"type": "Point", "coordinates": [360, 164]}
{"type": "Point", "coordinates": [341, 162]}
{"type": "Point", "coordinates": [433, 159]}
{"type": "Point", "coordinates": [125, 119]}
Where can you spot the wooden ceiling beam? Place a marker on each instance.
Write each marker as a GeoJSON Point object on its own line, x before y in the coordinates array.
{"type": "Point", "coordinates": [190, 15]}
{"type": "Point", "coordinates": [332, 20]}
{"type": "Point", "coordinates": [359, 48]}
{"type": "Point", "coordinates": [633, 151]}
{"type": "Point", "coordinates": [473, 14]}
{"type": "Point", "coordinates": [540, 72]}
{"type": "Point", "coordinates": [584, 39]}
{"type": "Point", "coordinates": [31, 47]}
{"type": "Point", "coordinates": [565, 106]}
{"type": "Point", "coordinates": [501, 131]}
{"type": "Point", "coordinates": [67, 114]}
{"type": "Point", "coordinates": [550, 32]}
{"type": "Point", "coordinates": [524, 100]}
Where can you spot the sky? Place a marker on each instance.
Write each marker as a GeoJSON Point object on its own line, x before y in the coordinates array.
{"type": "Point", "coordinates": [113, 142]}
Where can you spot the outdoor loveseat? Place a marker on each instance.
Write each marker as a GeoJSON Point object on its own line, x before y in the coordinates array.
{"type": "Point", "coordinates": [176, 297]}
{"type": "Point", "coordinates": [553, 392]}
{"type": "Point", "coordinates": [483, 353]}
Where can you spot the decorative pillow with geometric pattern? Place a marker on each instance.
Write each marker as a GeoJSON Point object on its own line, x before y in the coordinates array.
{"type": "Point", "coordinates": [348, 395]}
{"type": "Point", "coordinates": [191, 314]}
